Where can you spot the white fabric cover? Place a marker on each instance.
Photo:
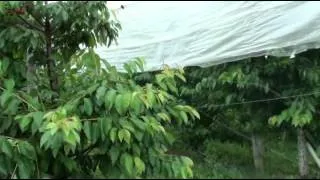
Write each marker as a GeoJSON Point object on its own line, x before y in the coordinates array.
{"type": "Point", "coordinates": [203, 33]}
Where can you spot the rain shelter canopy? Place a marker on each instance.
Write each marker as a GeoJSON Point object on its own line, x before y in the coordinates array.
{"type": "Point", "coordinates": [205, 33]}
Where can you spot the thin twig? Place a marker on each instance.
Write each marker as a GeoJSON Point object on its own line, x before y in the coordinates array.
{"type": "Point", "coordinates": [36, 19]}
{"type": "Point", "coordinates": [91, 119]}
{"type": "Point", "coordinates": [9, 138]}
{"type": "Point", "coordinates": [30, 25]}
{"type": "Point", "coordinates": [14, 171]}
{"type": "Point", "coordinates": [313, 154]}
{"type": "Point", "coordinates": [43, 106]}
{"type": "Point", "coordinates": [38, 172]}
{"type": "Point", "coordinates": [17, 96]}
{"type": "Point", "coordinates": [88, 149]}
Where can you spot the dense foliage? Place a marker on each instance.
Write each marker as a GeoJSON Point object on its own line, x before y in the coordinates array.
{"type": "Point", "coordinates": [258, 96]}
{"type": "Point", "coordinates": [66, 112]}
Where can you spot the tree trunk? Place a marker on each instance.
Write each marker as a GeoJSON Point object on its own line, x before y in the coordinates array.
{"type": "Point", "coordinates": [302, 154]}
{"type": "Point", "coordinates": [258, 152]}
{"type": "Point", "coordinates": [53, 77]}
{"type": "Point", "coordinates": [284, 136]}
{"type": "Point", "coordinates": [30, 76]}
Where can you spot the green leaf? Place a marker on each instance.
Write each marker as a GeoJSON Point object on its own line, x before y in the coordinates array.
{"type": "Point", "coordinates": [187, 161]}
{"type": "Point", "coordinates": [144, 100]}
{"type": "Point", "coordinates": [105, 126]}
{"type": "Point", "coordinates": [123, 102]}
{"type": "Point", "coordinates": [13, 106]}
{"type": "Point", "coordinates": [5, 125]}
{"type": "Point", "coordinates": [72, 138]}
{"type": "Point", "coordinates": [4, 166]}
{"type": "Point", "coordinates": [164, 116]}
{"type": "Point", "coordinates": [44, 138]}
{"type": "Point", "coordinates": [193, 111]}
{"type": "Point", "coordinates": [127, 161]}
{"type": "Point", "coordinates": [175, 169]}
{"type": "Point", "coordinates": [118, 103]}
{"type": "Point", "coordinates": [180, 76]}
{"type": "Point", "coordinates": [64, 15]}
{"type": "Point", "coordinates": [162, 85]}
{"type": "Point", "coordinates": [124, 134]}
{"type": "Point", "coordinates": [87, 130]}
{"type": "Point", "coordinates": [9, 84]}
{"type": "Point", "coordinates": [114, 154]}
{"type": "Point", "coordinates": [151, 97]}
{"type": "Point", "coordinates": [172, 87]}
{"type": "Point", "coordinates": [92, 88]}
{"type": "Point", "coordinates": [23, 170]}
{"type": "Point", "coordinates": [37, 120]}
{"type": "Point", "coordinates": [88, 106]}
{"type": "Point", "coordinates": [136, 104]}
{"type": "Point", "coordinates": [183, 173]}
{"type": "Point", "coordinates": [110, 99]}
{"type": "Point", "coordinates": [69, 163]}
{"type": "Point", "coordinates": [5, 64]}
{"type": "Point", "coordinates": [140, 62]}
{"type": "Point", "coordinates": [76, 135]}
{"type": "Point", "coordinates": [138, 135]}
{"type": "Point", "coordinates": [184, 116]}
{"type": "Point", "coordinates": [7, 148]}
{"type": "Point", "coordinates": [101, 92]}
{"type": "Point", "coordinates": [138, 123]}
{"type": "Point", "coordinates": [5, 97]}
{"type": "Point", "coordinates": [52, 128]}
{"type": "Point", "coordinates": [140, 166]}
{"type": "Point", "coordinates": [136, 149]}
{"type": "Point", "coordinates": [86, 59]}
{"type": "Point", "coordinates": [120, 135]}
{"type": "Point", "coordinates": [189, 172]}
{"type": "Point", "coordinates": [127, 67]}
{"type": "Point", "coordinates": [95, 130]}
{"type": "Point", "coordinates": [228, 99]}
{"type": "Point", "coordinates": [113, 134]}
{"type": "Point", "coordinates": [127, 125]}
{"type": "Point", "coordinates": [24, 122]}
{"type": "Point", "coordinates": [169, 138]}
{"type": "Point", "coordinates": [27, 150]}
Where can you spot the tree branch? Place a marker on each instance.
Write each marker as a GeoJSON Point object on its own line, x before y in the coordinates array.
{"type": "Point", "coordinates": [29, 24]}
{"type": "Point", "coordinates": [92, 119]}
{"type": "Point", "coordinates": [20, 98]}
{"type": "Point", "coordinates": [36, 19]}
{"type": "Point", "coordinates": [51, 65]}
{"type": "Point", "coordinates": [86, 150]}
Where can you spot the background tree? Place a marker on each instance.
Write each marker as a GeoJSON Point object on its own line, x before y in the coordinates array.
{"type": "Point", "coordinates": [245, 94]}
{"type": "Point", "coordinates": [302, 83]}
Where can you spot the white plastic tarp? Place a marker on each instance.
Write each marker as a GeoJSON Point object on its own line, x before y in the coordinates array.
{"type": "Point", "coordinates": [204, 33]}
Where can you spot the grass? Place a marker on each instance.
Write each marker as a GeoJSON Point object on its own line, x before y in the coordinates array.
{"type": "Point", "coordinates": [217, 160]}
